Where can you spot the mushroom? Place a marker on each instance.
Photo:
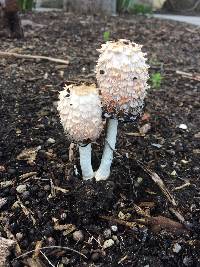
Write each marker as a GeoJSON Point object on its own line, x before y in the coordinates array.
{"type": "Point", "coordinates": [122, 75]}
{"type": "Point", "coordinates": [81, 116]}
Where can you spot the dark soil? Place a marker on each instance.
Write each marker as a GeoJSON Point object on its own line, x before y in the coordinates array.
{"type": "Point", "coordinates": [29, 89]}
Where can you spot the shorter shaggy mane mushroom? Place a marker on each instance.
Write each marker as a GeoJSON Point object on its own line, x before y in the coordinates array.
{"type": "Point", "coordinates": [81, 116]}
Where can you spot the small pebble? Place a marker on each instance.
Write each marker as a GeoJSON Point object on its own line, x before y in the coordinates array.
{"type": "Point", "coordinates": [21, 188]}
{"type": "Point", "coordinates": [183, 126]}
{"type": "Point", "coordinates": [19, 236]}
{"type": "Point", "coordinates": [78, 236]}
{"type": "Point", "coordinates": [64, 157]}
{"type": "Point", "coordinates": [11, 171]}
{"type": "Point", "coordinates": [63, 216]}
{"type": "Point", "coordinates": [173, 173]}
{"type": "Point", "coordinates": [3, 201]}
{"type": "Point", "coordinates": [107, 233]}
{"type": "Point", "coordinates": [65, 260]}
{"type": "Point", "coordinates": [95, 256]}
{"type": "Point", "coordinates": [176, 248]}
{"type": "Point", "coordinates": [187, 261]}
{"type": "Point", "coordinates": [115, 238]}
{"type": "Point", "coordinates": [196, 169]}
{"type": "Point", "coordinates": [47, 187]}
{"type": "Point", "coordinates": [114, 228]}
{"type": "Point", "coordinates": [108, 243]}
{"type": "Point", "coordinates": [156, 145]}
{"type": "Point", "coordinates": [51, 141]}
{"type": "Point", "coordinates": [51, 241]}
{"type": "Point", "coordinates": [41, 194]}
{"type": "Point", "coordinates": [184, 161]}
{"type": "Point", "coordinates": [121, 215]}
{"type": "Point", "coordinates": [25, 194]}
{"type": "Point", "coordinates": [197, 135]}
{"type": "Point", "coordinates": [171, 152]}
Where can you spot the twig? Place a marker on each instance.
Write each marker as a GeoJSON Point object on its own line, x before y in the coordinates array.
{"type": "Point", "coordinates": [154, 176]}
{"type": "Point", "coordinates": [50, 247]}
{"type": "Point", "coordinates": [53, 191]}
{"type": "Point", "coordinates": [177, 214]}
{"type": "Point", "coordinates": [57, 60]}
{"type": "Point", "coordinates": [92, 237]}
{"type": "Point", "coordinates": [47, 259]}
{"type": "Point", "coordinates": [63, 190]}
{"type": "Point", "coordinates": [27, 175]}
{"type": "Point", "coordinates": [140, 211]}
{"type": "Point", "coordinates": [180, 217]}
{"type": "Point", "coordinates": [182, 186]}
{"type": "Point", "coordinates": [71, 152]}
{"type": "Point", "coordinates": [26, 211]}
{"type": "Point", "coordinates": [192, 76]}
{"type": "Point", "coordinates": [131, 225]}
{"type": "Point", "coordinates": [37, 249]}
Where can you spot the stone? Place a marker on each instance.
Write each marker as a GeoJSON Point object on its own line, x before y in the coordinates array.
{"type": "Point", "coordinates": [114, 228]}
{"type": "Point", "coordinates": [108, 243]}
{"type": "Point", "coordinates": [78, 236]}
{"type": "Point", "coordinates": [21, 188]}
{"type": "Point", "coordinates": [51, 141]}
{"type": "Point", "coordinates": [95, 256]}
{"type": "Point", "coordinates": [183, 126]}
{"type": "Point", "coordinates": [107, 233]}
{"type": "Point", "coordinates": [176, 248]}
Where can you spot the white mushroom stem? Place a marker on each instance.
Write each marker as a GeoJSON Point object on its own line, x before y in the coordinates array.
{"type": "Point", "coordinates": [85, 152]}
{"type": "Point", "coordinates": [104, 170]}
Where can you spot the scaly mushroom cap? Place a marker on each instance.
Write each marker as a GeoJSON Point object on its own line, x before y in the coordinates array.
{"type": "Point", "coordinates": [122, 75]}
{"type": "Point", "coordinates": [80, 112]}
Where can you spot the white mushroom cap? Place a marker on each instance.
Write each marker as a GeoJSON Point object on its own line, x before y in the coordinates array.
{"type": "Point", "coordinates": [122, 75]}
{"type": "Point", "coordinates": [80, 112]}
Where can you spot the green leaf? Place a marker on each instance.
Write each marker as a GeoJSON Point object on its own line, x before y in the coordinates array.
{"type": "Point", "coordinates": [106, 36]}
{"type": "Point", "coordinates": [156, 80]}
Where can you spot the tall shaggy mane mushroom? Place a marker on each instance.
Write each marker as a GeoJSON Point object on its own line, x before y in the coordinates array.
{"type": "Point", "coordinates": [122, 75]}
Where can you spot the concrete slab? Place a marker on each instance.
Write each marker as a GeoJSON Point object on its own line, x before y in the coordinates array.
{"type": "Point", "coordinates": [188, 19]}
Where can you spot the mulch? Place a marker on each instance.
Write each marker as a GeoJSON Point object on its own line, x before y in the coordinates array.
{"type": "Point", "coordinates": [45, 199]}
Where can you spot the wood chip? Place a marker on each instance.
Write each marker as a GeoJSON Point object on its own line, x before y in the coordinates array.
{"type": "Point", "coordinates": [27, 175]}
{"type": "Point", "coordinates": [37, 249]}
{"type": "Point", "coordinates": [154, 176]}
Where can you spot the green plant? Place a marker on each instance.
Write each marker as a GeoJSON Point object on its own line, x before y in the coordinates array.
{"type": "Point", "coordinates": [106, 36]}
{"type": "Point", "coordinates": [140, 9]}
{"type": "Point", "coordinates": [26, 5]}
{"type": "Point", "coordinates": [156, 79]}
{"type": "Point", "coordinates": [131, 6]}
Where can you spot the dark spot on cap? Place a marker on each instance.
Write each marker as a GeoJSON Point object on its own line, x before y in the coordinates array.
{"type": "Point", "coordinates": [70, 104]}
{"type": "Point", "coordinates": [102, 72]}
{"type": "Point", "coordinates": [68, 91]}
{"type": "Point", "coordinates": [67, 95]}
{"type": "Point", "coordinates": [134, 78]}
{"type": "Point", "coordinates": [126, 42]}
